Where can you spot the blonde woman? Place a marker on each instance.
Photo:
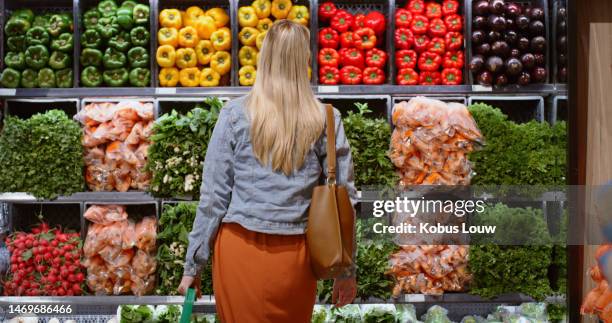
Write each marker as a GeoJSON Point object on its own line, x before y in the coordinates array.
{"type": "Point", "coordinates": [266, 154]}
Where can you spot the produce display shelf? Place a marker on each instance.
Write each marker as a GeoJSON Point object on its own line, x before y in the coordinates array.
{"type": "Point", "coordinates": [103, 300]}
{"type": "Point", "coordinates": [81, 197]}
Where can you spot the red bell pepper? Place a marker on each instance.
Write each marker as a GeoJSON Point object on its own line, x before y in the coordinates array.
{"type": "Point", "coordinates": [436, 45]}
{"type": "Point", "coordinates": [407, 76]}
{"type": "Point", "coordinates": [429, 61]}
{"type": "Point", "coordinates": [417, 7]}
{"type": "Point", "coordinates": [419, 24]}
{"type": "Point", "coordinates": [376, 21]}
{"type": "Point", "coordinates": [352, 57]}
{"type": "Point", "coordinates": [329, 57]}
{"type": "Point", "coordinates": [327, 10]}
{"type": "Point", "coordinates": [433, 10]}
{"type": "Point", "coordinates": [405, 58]}
{"type": "Point", "coordinates": [421, 43]}
{"type": "Point", "coordinates": [342, 52]}
{"type": "Point", "coordinates": [365, 38]}
{"type": "Point", "coordinates": [358, 21]}
{"type": "Point", "coordinates": [450, 7]}
{"type": "Point", "coordinates": [403, 18]}
{"type": "Point", "coordinates": [373, 75]}
{"type": "Point", "coordinates": [451, 76]}
{"type": "Point", "coordinates": [328, 38]}
{"type": "Point", "coordinates": [404, 39]}
{"type": "Point", "coordinates": [347, 39]}
{"type": "Point", "coordinates": [437, 28]}
{"type": "Point", "coordinates": [350, 75]}
{"type": "Point", "coordinates": [454, 40]}
{"type": "Point", "coordinates": [342, 21]}
{"type": "Point", "coordinates": [454, 23]}
{"type": "Point", "coordinates": [376, 58]}
{"type": "Point", "coordinates": [430, 78]}
{"type": "Point", "coordinates": [453, 60]}
{"type": "Point", "coordinates": [329, 75]}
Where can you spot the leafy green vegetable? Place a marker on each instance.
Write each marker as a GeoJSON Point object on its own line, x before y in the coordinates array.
{"type": "Point", "coordinates": [556, 312]}
{"type": "Point", "coordinates": [178, 148]}
{"type": "Point", "coordinates": [436, 314]}
{"type": "Point", "coordinates": [347, 314]}
{"type": "Point", "coordinates": [168, 314]}
{"type": "Point", "coordinates": [319, 314]}
{"type": "Point", "coordinates": [136, 314]}
{"type": "Point", "coordinates": [378, 313]}
{"type": "Point", "coordinates": [42, 155]}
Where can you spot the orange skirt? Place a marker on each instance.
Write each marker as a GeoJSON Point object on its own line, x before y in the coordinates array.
{"type": "Point", "coordinates": [260, 277]}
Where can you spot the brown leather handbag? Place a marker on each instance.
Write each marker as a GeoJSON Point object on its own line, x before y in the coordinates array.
{"type": "Point", "coordinates": [331, 219]}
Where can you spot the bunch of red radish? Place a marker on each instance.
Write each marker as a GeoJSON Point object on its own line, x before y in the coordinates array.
{"type": "Point", "coordinates": [44, 262]}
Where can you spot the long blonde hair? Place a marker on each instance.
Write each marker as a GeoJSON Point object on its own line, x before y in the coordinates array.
{"type": "Point", "coordinates": [286, 117]}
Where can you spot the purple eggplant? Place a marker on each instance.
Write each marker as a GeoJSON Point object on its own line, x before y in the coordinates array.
{"type": "Point", "coordinates": [537, 28]}
{"type": "Point", "coordinates": [538, 75]}
{"type": "Point", "coordinates": [477, 63]}
{"type": "Point", "coordinates": [481, 8]}
{"type": "Point", "coordinates": [562, 74]}
{"type": "Point", "coordinates": [562, 44]}
{"type": "Point", "coordinates": [497, 23]}
{"type": "Point", "coordinates": [500, 48]}
{"type": "Point", "coordinates": [513, 10]}
{"type": "Point", "coordinates": [522, 22]}
{"type": "Point", "coordinates": [562, 26]}
{"type": "Point", "coordinates": [514, 66]}
{"type": "Point", "coordinates": [524, 78]}
{"type": "Point", "coordinates": [538, 44]}
{"type": "Point", "coordinates": [484, 49]}
{"type": "Point", "coordinates": [562, 59]}
{"type": "Point", "coordinates": [514, 52]}
{"type": "Point", "coordinates": [493, 36]}
{"type": "Point", "coordinates": [479, 22]}
{"type": "Point", "coordinates": [497, 7]}
{"type": "Point", "coordinates": [485, 78]}
{"type": "Point", "coordinates": [523, 44]}
{"type": "Point", "coordinates": [540, 60]}
{"type": "Point", "coordinates": [511, 37]}
{"type": "Point", "coordinates": [528, 60]}
{"type": "Point", "coordinates": [536, 13]}
{"type": "Point", "coordinates": [478, 37]}
{"type": "Point", "coordinates": [562, 13]}
{"type": "Point", "coordinates": [494, 64]}
{"type": "Point", "coordinates": [510, 24]}
{"type": "Point", "coordinates": [501, 80]}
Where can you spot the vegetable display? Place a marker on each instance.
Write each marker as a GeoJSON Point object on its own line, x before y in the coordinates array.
{"type": "Point", "coordinates": [508, 42]}
{"type": "Point", "coordinates": [429, 43]}
{"type": "Point", "coordinates": [41, 155]}
{"type": "Point", "coordinates": [597, 301]}
{"type": "Point", "coordinates": [561, 49]}
{"type": "Point", "coordinates": [38, 50]}
{"type": "Point", "coordinates": [194, 47]}
{"type": "Point", "coordinates": [44, 262]}
{"type": "Point", "coordinates": [158, 314]}
{"type": "Point", "coordinates": [431, 141]}
{"type": "Point", "coordinates": [116, 141]}
{"type": "Point", "coordinates": [351, 46]}
{"type": "Point", "coordinates": [178, 148]}
{"type": "Point", "coordinates": [119, 252]}
{"type": "Point", "coordinates": [115, 45]}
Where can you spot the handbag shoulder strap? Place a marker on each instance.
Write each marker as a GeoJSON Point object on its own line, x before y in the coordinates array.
{"type": "Point", "coordinates": [331, 144]}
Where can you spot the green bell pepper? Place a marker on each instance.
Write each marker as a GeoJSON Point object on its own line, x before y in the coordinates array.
{"type": "Point", "coordinates": [26, 14]}
{"type": "Point", "coordinates": [140, 14]}
{"type": "Point", "coordinates": [139, 36]}
{"type": "Point", "coordinates": [59, 60]}
{"type": "Point", "coordinates": [68, 17]}
{"type": "Point", "coordinates": [91, 57]}
{"type": "Point", "coordinates": [58, 24]}
{"type": "Point", "coordinates": [120, 42]}
{"type": "Point", "coordinates": [64, 78]}
{"type": "Point", "coordinates": [15, 60]}
{"type": "Point", "coordinates": [10, 78]}
{"type": "Point", "coordinates": [138, 57]}
{"type": "Point", "coordinates": [36, 56]}
{"type": "Point", "coordinates": [116, 77]}
{"type": "Point", "coordinates": [124, 18]}
{"type": "Point", "coordinates": [140, 77]}
{"type": "Point", "coordinates": [63, 43]}
{"type": "Point", "coordinates": [129, 4]}
{"type": "Point", "coordinates": [16, 43]}
{"type": "Point", "coordinates": [107, 27]}
{"type": "Point", "coordinates": [91, 39]}
{"type": "Point", "coordinates": [91, 18]}
{"type": "Point", "coordinates": [91, 77]}
{"type": "Point", "coordinates": [113, 59]}
{"type": "Point", "coordinates": [107, 8]}
{"type": "Point", "coordinates": [29, 78]}
{"type": "Point", "coordinates": [46, 78]}
{"type": "Point", "coordinates": [16, 26]}
{"type": "Point", "coordinates": [40, 21]}
{"type": "Point", "coordinates": [37, 36]}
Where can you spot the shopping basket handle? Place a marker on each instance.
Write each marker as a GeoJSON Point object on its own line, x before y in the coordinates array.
{"type": "Point", "coordinates": [188, 305]}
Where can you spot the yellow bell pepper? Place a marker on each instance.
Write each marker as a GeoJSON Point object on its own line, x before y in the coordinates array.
{"type": "Point", "coordinates": [192, 14]}
{"type": "Point", "coordinates": [168, 36]}
{"type": "Point", "coordinates": [188, 37]}
{"type": "Point", "coordinates": [247, 75]}
{"type": "Point", "coordinates": [221, 62]}
{"type": "Point", "coordinates": [186, 57]}
{"type": "Point", "coordinates": [189, 77]}
{"type": "Point", "coordinates": [264, 25]}
{"type": "Point", "coordinates": [205, 27]}
{"type": "Point", "coordinates": [247, 17]}
{"type": "Point", "coordinates": [248, 35]}
{"type": "Point", "coordinates": [221, 39]}
{"type": "Point", "coordinates": [168, 76]}
{"type": "Point", "coordinates": [281, 8]}
{"type": "Point", "coordinates": [247, 55]}
{"type": "Point", "coordinates": [209, 77]}
{"type": "Point", "coordinates": [262, 8]}
{"type": "Point", "coordinates": [166, 56]}
{"type": "Point", "coordinates": [219, 16]}
{"type": "Point", "coordinates": [204, 51]}
{"type": "Point", "coordinates": [170, 18]}
{"type": "Point", "coordinates": [299, 14]}
{"type": "Point", "coordinates": [259, 40]}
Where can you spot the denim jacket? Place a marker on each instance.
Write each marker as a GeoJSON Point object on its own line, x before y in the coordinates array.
{"type": "Point", "coordinates": [236, 188]}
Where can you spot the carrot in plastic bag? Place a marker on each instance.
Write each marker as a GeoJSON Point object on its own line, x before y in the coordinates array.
{"type": "Point", "coordinates": [135, 134]}
{"type": "Point", "coordinates": [129, 236]}
{"type": "Point", "coordinates": [94, 241]}
{"type": "Point", "coordinates": [143, 286]}
{"type": "Point", "coordinates": [105, 214]}
{"type": "Point", "coordinates": [461, 120]}
{"type": "Point", "coordinates": [143, 264]}
{"type": "Point", "coordinates": [112, 233]}
{"type": "Point", "coordinates": [146, 233]}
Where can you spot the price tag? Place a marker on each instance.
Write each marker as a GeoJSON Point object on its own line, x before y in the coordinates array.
{"type": "Point", "coordinates": [165, 90]}
{"type": "Point", "coordinates": [414, 298]}
{"type": "Point", "coordinates": [8, 92]}
{"type": "Point", "coordinates": [329, 89]}
{"type": "Point", "coordinates": [481, 88]}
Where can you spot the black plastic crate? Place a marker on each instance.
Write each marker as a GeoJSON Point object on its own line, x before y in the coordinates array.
{"type": "Point", "coordinates": [25, 108]}
{"type": "Point", "coordinates": [554, 37]}
{"type": "Point", "coordinates": [520, 109]}
{"type": "Point", "coordinates": [24, 216]}
{"type": "Point", "coordinates": [181, 105]}
{"type": "Point", "coordinates": [378, 104]}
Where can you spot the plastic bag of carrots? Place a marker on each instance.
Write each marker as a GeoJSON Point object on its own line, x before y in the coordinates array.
{"type": "Point", "coordinates": [599, 300]}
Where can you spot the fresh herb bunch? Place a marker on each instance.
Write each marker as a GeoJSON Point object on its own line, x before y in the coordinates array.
{"type": "Point", "coordinates": [532, 153]}
{"type": "Point", "coordinates": [177, 221]}
{"type": "Point", "coordinates": [178, 147]}
{"type": "Point", "coordinates": [369, 141]}
{"type": "Point", "coordinates": [42, 155]}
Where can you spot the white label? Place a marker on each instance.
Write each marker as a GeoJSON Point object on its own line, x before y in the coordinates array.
{"type": "Point", "coordinates": [165, 90]}
{"type": "Point", "coordinates": [8, 92]}
{"type": "Point", "coordinates": [481, 88]}
{"type": "Point", "coordinates": [329, 89]}
{"type": "Point", "coordinates": [414, 298]}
